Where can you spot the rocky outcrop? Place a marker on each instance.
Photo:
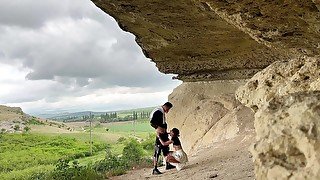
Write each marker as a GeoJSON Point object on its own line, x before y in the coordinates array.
{"type": "Point", "coordinates": [208, 113]}
{"type": "Point", "coordinates": [279, 79]}
{"type": "Point", "coordinates": [225, 40]}
{"type": "Point", "coordinates": [285, 97]}
{"type": "Point", "coordinates": [10, 113]}
{"type": "Point", "coordinates": [220, 39]}
{"type": "Point", "coordinates": [11, 117]}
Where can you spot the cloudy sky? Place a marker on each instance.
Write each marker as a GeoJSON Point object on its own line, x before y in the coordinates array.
{"type": "Point", "coordinates": [68, 55]}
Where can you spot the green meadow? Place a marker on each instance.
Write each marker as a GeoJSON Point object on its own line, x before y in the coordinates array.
{"type": "Point", "coordinates": [47, 152]}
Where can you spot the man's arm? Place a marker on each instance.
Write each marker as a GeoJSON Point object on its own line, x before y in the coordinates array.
{"type": "Point", "coordinates": [164, 143]}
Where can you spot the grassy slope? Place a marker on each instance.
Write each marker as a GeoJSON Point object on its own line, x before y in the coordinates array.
{"type": "Point", "coordinates": [43, 145]}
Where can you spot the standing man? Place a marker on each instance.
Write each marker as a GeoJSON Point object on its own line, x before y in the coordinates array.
{"type": "Point", "coordinates": [158, 122]}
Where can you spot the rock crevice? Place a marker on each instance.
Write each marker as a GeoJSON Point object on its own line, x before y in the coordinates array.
{"type": "Point", "coordinates": [212, 40]}
{"type": "Point", "coordinates": [286, 100]}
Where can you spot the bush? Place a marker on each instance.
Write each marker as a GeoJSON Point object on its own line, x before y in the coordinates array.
{"type": "Point", "coordinates": [148, 144]}
{"type": "Point", "coordinates": [64, 171]}
{"type": "Point", "coordinates": [26, 129]}
{"type": "Point", "coordinates": [16, 127]}
{"type": "Point", "coordinates": [2, 131]}
{"type": "Point", "coordinates": [34, 121]}
{"type": "Point", "coordinates": [132, 152]}
{"type": "Point", "coordinates": [111, 164]}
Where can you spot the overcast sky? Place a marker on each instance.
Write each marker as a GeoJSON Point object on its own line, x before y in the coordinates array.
{"type": "Point", "coordinates": [68, 55]}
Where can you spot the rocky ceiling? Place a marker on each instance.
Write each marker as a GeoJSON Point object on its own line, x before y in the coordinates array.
{"type": "Point", "coordinates": [219, 39]}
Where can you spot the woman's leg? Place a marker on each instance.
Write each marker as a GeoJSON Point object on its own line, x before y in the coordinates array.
{"type": "Point", "coordinates": [171, 159]}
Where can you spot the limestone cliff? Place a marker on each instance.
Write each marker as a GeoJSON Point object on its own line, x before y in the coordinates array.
{"type": "Point", "coordinates": [286, 98]}
{"type": "Point", "coordinates": [10, 117]}
{"type": "Point", "coordinates": [10, 113]}
{"type": "Point", "coordinates": [227, 40]}
{"type": "Point", "coordinates": [208, 113]}
{"type": "Point", "coordinates": [221, 39]}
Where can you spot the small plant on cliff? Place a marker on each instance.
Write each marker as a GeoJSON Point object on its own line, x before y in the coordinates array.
{"type": "Point", "coordinates": [26, 129]}
{"type": "Point", "coordinates": [16, 127]}
{"type": "Point", "coordinates": [3, 131]}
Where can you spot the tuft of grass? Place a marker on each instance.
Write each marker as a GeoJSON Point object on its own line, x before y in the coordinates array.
{"type": "Point", "coordinates": [27, 173]}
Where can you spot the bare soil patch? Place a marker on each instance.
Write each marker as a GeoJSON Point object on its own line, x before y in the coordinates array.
{"type": "Point", "coordinates": [225, 160]}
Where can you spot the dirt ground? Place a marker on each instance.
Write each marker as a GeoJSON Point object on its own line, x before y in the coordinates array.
{"type": "Point", "coordinates": [229, 160]}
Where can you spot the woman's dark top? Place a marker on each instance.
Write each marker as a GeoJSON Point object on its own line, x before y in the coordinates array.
{"type": "Point", "coordinates": [176, 141]}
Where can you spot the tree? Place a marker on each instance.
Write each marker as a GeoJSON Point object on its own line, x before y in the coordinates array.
{"type": "Point", "coordinates": [16, 127]}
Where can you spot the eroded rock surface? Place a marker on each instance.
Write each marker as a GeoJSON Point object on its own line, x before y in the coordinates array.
{"type": "Point", "coordinates": [288, 137]}
{"type": "Point", "coordinates": [286, 99]}
{"type": "Point", "coordinates": [218, 39]}
{"type": "Point", "coordinates": [207, 113]}
{"type": "Point", "coordinates": [227, 39]}
{"type": "Point", "coordinates": [279, 79]}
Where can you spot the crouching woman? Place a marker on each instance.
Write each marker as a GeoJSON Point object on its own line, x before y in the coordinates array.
{"type": "Point", "coordinates": [178, 157]}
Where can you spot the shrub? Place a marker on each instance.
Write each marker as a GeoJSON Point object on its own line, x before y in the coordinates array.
{"type": "Point", "coordinates": [34, 121]}
{"type": "Point", "coordinates": [148, 144]}
{"type": "Point", "coordinates": [64, 171]}
{"type": "Point", "coordinates": [111, 163]}
{"type": "Point", "coordinates": [132, 152]}
{"type": "Point", "coordinates": [114, 165]}
{"type": "Point", "coordinates": [16, 127]}
{"type": "Point", "coordinates": [3, 131]}
{"type": "Point", "coordinates": [26, 129]}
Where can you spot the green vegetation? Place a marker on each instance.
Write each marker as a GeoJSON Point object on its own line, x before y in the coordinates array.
{"type": "Point", "coordinates": [130, 127]}
{"type": "Point", "coordinates": [66, 155]}
{"type": "Point", "coordinates": [34, 121]}
{"type": "Point", "coordinates": [28, 151]}
{"type": "Point", "coordinates": [104, 117]}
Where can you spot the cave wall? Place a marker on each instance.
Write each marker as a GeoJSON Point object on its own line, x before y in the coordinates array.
{"type": "Point", "coordinates": [210, 40]}
{"type": "Point", "coordinates": [213, 40]}
{"type": "Point", "coordinates": [207, 113]}
{"type": "Point", "coordinates": [286, 99]}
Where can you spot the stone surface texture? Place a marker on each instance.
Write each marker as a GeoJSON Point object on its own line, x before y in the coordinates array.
{"type": "Point", "coordinates": [221, 39]}
{"type": "Point", "coordinates": [286, 99]}
{"type": "Point", "coordinates": [279, 79]}
{"type": "Point", "coordinates": [201, 41]}
{"type": "Point", "coordinates": [208, 113]}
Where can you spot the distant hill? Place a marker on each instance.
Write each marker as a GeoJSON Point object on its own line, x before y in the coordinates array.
{"type": "Point", "coordinates": [78, 115]}
{"type": "Point", "coordinates": [13, 119]}
{"type": "Point", "coordinates": [11, 113]}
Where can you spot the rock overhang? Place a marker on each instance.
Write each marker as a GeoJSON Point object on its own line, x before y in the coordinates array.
{"type": "Point", "coordinates": [224, 39]}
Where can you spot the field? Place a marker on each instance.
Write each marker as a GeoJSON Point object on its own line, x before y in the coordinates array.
{"type": "Point", "coordinates": [38, 150]}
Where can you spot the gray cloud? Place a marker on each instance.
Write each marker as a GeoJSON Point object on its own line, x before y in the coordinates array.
{"type": "Point", "coordinates": [71, 40]}
{"type": "Point", "coordinates": [34, 13]}
{"type": "Point", "coordinates": [73, 48]}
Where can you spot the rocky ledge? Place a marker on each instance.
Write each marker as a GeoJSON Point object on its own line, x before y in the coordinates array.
{"type": "Point", "coordinates": [221, 39]}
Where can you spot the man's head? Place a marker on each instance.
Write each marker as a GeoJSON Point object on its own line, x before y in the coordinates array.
{"type": "Point", "coordinates": [167, 106]}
